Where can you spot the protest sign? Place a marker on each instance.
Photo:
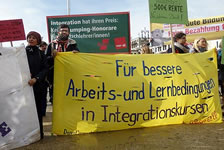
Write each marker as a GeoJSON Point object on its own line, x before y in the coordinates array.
{"type": "Point", "coordinates": [94, 93]}
{"type": "Point", "coordinates": [168, 11]}
{"type": "Point", "coordinates": [212, 28]}
{"type": "Point", "coordinates": [19, 123]}
{"type": "Point", "coordinates": [12, 30]}
{"type": "Point", "coordinates": [95, 33]}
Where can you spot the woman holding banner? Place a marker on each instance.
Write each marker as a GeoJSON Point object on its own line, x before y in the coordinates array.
{"type": "Point", "coordinates": [38, 69]}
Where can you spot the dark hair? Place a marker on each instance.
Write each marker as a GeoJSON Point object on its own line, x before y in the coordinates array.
{"type": "Point", "coordinates": [36, 35]}
{"type": "Point", "coordinates": [179, 35]}
{"type": "Point", "coordinates": [64, 26]}
{"type": "Point", "coordinates": [43, 43]}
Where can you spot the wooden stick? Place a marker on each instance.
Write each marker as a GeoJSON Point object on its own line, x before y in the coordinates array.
{"type": "Point", "coordinates": [11, 43]}
{"type": "Point", "coordinates": [172, 41]}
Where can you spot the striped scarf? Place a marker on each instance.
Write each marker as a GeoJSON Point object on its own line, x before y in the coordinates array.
{"type": "Point", "coordinates": [60, 46]}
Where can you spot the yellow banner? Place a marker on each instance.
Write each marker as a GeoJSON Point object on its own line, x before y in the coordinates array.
{"type": "Point", "coordinates": [211, 28]}
{"type": "Point", "coordinates": [94, 92]}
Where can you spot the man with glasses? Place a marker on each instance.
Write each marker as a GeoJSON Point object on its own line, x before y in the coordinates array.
{"type": "Point", "coordinates": [61, 44]}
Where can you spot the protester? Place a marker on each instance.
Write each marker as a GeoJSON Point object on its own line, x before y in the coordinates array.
{"type": "Point", "coordinates": [179, 43]}
{"type": "Point", "coordinates": [146, 49]}
{"type": "Point", "coordinates": [221, 73]}
{"type": "Point", "coordinates": [200, 45]}
{"type": "Point", "coordinates": [38, 69]}
{"type": "Point", "coordinates": [43, 47]}
{"type": "Point", "coordinates": [61, 44]}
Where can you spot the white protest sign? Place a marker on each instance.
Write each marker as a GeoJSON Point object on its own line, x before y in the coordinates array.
{"type": "Point", "coordinates": [18, 120]}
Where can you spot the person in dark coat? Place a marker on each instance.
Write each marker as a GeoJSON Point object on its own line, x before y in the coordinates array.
{"type": "Point", "coordinates": [61, 44]}
{"type": "Point", "coordinates": [43, 48]}
{"type": "Point", "coordinates": [179, 44]}
{"type": "Point", "coordinates": [38, 69]}
{"type": "Point", "coordinates": [221, 73]}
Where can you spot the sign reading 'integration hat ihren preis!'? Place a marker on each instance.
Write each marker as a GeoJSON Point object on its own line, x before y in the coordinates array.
{"type": "Point", "coordinates": [168, 11]}
{"type": "Point", "coordinates": [95, 33]}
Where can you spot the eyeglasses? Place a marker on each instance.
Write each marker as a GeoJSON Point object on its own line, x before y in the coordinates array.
{"type": "Point", "coordinates": [63, 30]}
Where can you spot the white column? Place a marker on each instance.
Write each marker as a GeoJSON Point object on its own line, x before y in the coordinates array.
{"type": "Point", "coordinates": [68, 6]}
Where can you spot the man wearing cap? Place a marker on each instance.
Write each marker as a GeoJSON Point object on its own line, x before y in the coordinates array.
{"type": "Point", "coordinates": [61, 44]}
{"type": "Point", "coordinates": [38, 69]}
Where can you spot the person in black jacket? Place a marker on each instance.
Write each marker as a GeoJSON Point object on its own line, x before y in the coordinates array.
{"type": "Point", "coordinates": [61, 44]}
{"type": "Point", "coordinates": [38, 69]}
{"type": "Point", "coordinates": [179, 44]}
{"type": "Point", "coordinates": [43, 48]}
{"type": "Point", "coordinates": [221, 73]}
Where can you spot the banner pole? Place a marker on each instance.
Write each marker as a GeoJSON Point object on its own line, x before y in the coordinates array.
{"type": "Point", "coordinates": [172, 41]}
{"type": "Point", "coordinates": [150, 29]}
{"type": "Point", "coordinates": [150, 41]}
{"type": "Point", "coordinates": [11, 43]}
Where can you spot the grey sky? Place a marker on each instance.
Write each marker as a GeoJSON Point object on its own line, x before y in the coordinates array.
{"type": "Point", "coordinates": [34, 12]}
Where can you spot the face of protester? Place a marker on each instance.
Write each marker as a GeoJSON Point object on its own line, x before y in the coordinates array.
{"type": "Point", "coordinates": [32, 40]}
{"type": "Point", "coordinates": [202, 43]}
{"type": "Point", "coordinates": [182, 40]}
{"type": "Point", "coordinates": [63, 34]}
{"type": "Point", "coordinates": [43, 47]}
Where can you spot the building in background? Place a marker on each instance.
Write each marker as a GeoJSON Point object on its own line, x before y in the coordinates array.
{"type": "Point", "coordinates": [139, 42]}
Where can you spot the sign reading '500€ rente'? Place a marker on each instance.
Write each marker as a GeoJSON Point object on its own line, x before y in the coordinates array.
{"type": "Point", "coordinates": [168, 11]}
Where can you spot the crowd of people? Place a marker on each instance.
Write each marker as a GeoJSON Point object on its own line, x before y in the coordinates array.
{"type": "Point", "coordinates": [41, 62]}
{"type": "Point", "coordinates": [180, 45]}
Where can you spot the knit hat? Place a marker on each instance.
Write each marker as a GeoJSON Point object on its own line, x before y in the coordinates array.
{"type": "Point", "coordinates": [36, 35]}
